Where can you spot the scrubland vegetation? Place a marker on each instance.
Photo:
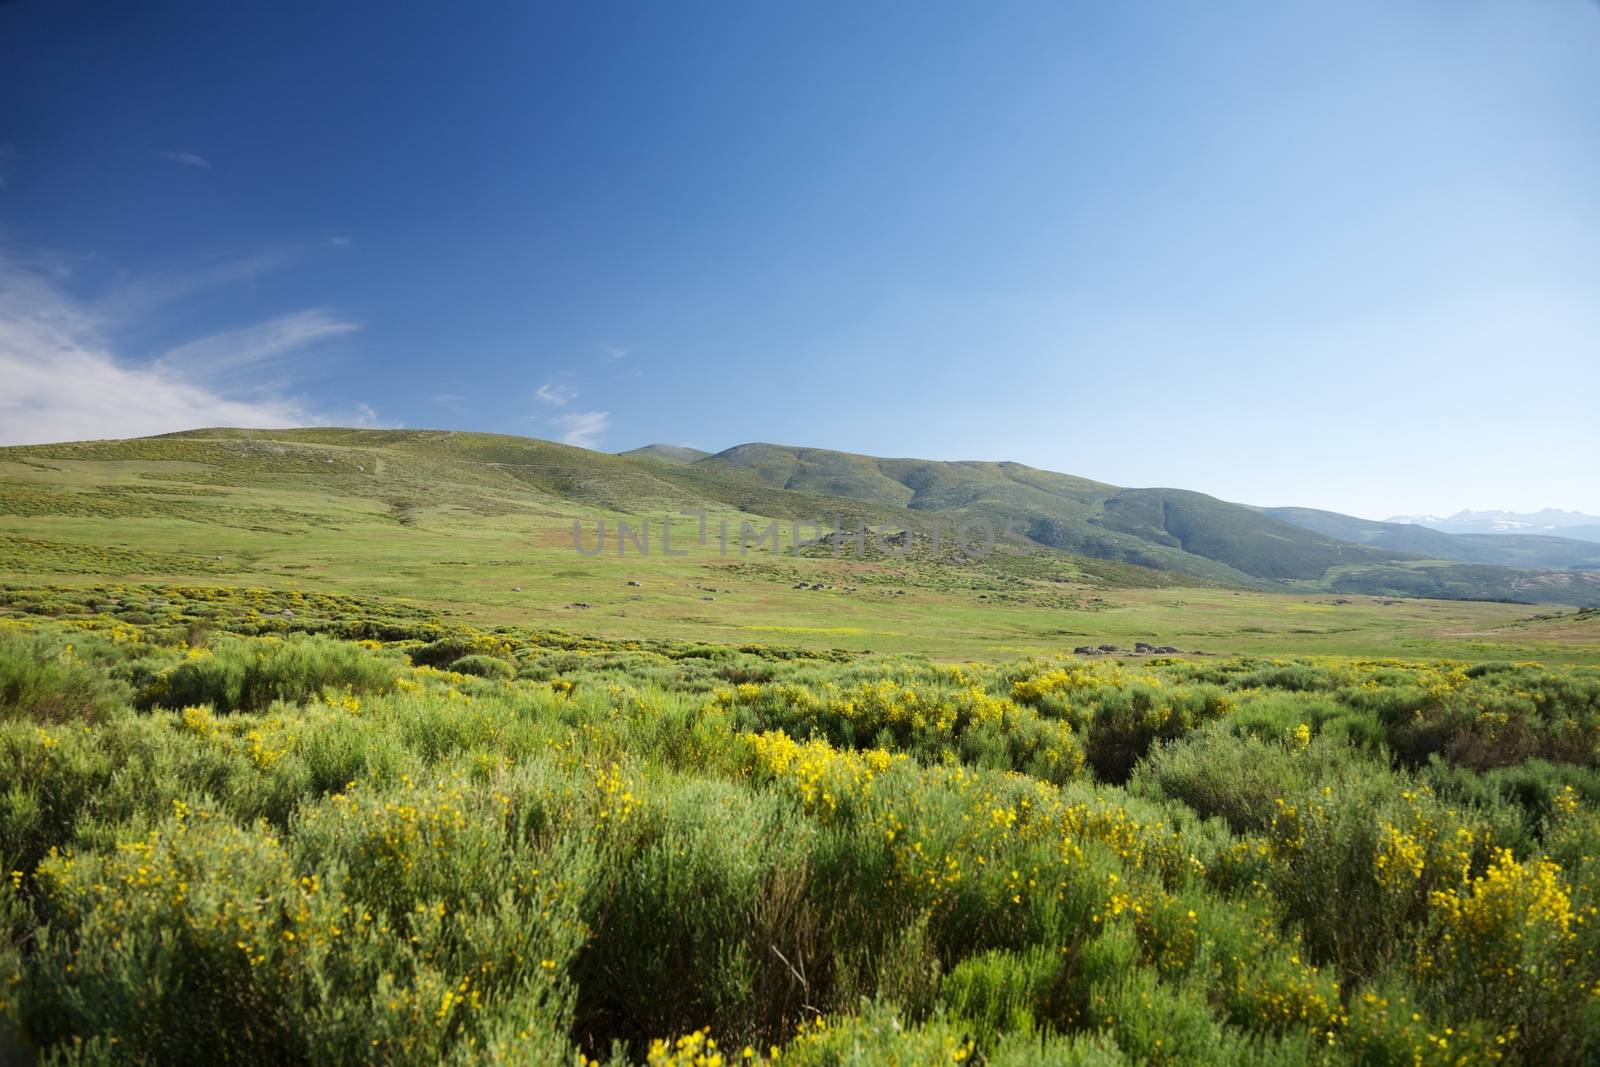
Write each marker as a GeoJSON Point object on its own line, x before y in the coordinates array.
{"type": "Point", "coordinates": [482, 525]}
{"type": "Point", "coordinates": [278, 827]}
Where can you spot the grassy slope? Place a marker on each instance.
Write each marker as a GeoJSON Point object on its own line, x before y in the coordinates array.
{"type": "Point", "coordinates": [1056, 510]}
{"type": "Point", "coordinates": [666, 453]}
{"type": "Point", "coordinates": [230, 841]}
{"type": "Point", "coordinates": [482, 526]}
{"type": "Point", "coordinates": [1166, 529]}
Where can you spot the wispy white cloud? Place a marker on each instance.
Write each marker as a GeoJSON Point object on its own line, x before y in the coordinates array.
{"type": "Point", "coordinates": [614, 352]}
{"type": "Point", "coordinates": [584, 428]}
{"type": "Point", "coordinates": [127, 300]}
{"type": "Point", "coordinates": [234, 358]}
{"type": "Point", "coordinates": [559, 395]}
{"type": "Point", "coordinates": [65, 381]}
{"type": "Point", "coordinates": [188, 159]}
{"type": "Point", "coordinates": [450, 401]}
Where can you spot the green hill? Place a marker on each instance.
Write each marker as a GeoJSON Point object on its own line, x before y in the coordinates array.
{"type": "Point", "coordinates": [1165, 529]}
{"type": "Point", "coordinates": [284, 482]}
{"type": "Point", "coordinates": [1178, 530]}
{"type": "Point", "coordinates": [666, 453]}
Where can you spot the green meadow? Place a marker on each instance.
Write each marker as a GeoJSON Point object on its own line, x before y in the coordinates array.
{"type": "Point", "coordinates": [324, 754]}
{"type": "Point", "coordinates": [470, 539]}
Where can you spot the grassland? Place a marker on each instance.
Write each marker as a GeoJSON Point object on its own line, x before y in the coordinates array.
{"type": "Point", "coordinates": [334, 750]}
{"type": "Point", "coordinates": [461, 528]}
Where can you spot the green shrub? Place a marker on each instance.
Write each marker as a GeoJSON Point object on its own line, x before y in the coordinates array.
{"type": "Point", "coordinates": [251, 675]}
{"type": "Point", "coordinates": [617, 851]}
{"type": "Point", "coordinates": [1218, 773]}
{"type": "Point", "coordinates": [1095, 1049]}
{"type": "Point", "coordinates": [483, 667]}
{"type": "Point", "coordinates": [1356, 862]}
{"type": "Point", "coordinates": [932, 717]}
{"type": "Point", "coordinates": [1508, 947]}
{"type": "Point", "coordinates": [43, 681]}
{"type": "Point", "coordinates": [700, 911]}
{"type": "Point", "coordinates": [447, 650]}
{"type": "Point", "coordinates": [202, 942]}
{"type": "Point", "coordinates": [1127, 720]}
{"type": "Point", "coordinates": [1008, 992]}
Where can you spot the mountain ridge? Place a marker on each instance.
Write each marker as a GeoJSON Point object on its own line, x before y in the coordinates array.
{"type": "Point", "coordinates": [1173, 529]}
{"type": "Point", "coordinates": [1185, 535]}
{"type": "Point", "coordinates": [1507, 549]}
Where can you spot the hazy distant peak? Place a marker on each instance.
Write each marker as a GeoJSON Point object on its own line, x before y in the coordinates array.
{"type": "Point", "coordinates": [1548, 521]}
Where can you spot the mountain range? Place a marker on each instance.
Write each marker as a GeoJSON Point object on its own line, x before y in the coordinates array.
{"type": "Point", "coordinates": [1550, 521]}
{"type": "Point", "coordinates": [1119, 535]}
{"type": "Point", "coordinates": [1174, 530]}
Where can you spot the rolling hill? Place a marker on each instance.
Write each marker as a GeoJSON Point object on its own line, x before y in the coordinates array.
{"type": "Point", "coordinates": [1163, 529]}
{"type": "Point", "coordinates": [1186, 532]}
{"type": "Point", "coordinates": [280, 480]}
{"type": "Point", "coordinates": [667, 453]}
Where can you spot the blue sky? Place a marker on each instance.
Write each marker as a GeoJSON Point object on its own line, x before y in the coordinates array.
{"type": "Point", "coordinates": [1338, 255]}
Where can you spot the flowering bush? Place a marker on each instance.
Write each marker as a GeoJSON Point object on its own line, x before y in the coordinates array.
{"type": "Point", "coordinates": [304, 850]}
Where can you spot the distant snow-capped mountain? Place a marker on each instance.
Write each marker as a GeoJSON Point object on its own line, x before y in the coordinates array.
{"type": "Point", "coordinates": [1550, 522]}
